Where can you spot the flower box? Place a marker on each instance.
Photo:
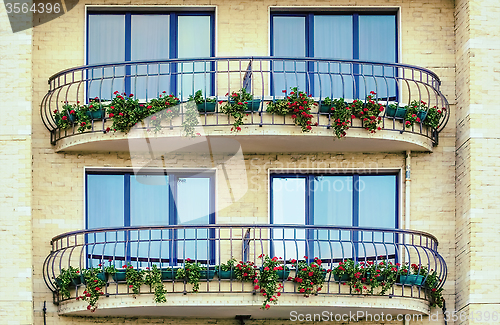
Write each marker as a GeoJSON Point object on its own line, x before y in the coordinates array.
{"type": "Point", "coordinates": [168, 273]}
{"type": "Point", "coordinates": [206, 107]}
{"type": "Point", "coordinates": [343, 278]}
{"type": "Point", "coordinates": [253, 105]}
{"type": "Point", "coordinates": [96, 115]}
{"type": "Point", "coordinates": [411, 279]}
{"type": "Point", "coordinates": [226, 275]}
{"type": "Point", "coordinates": [323, 108]}
{"type": "Point", "coordinates": [120, 275]}
{"type": "Point", "coordinates": [395, 111]}
{"type": "Point", "coordinates": [207, 274]}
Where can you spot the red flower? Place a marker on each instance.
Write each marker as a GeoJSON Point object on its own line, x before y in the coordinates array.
{"type": "Point", "coordinates": [302, 290]}
{"type": "Point", "coordinates": [433, 289]}
{"type": "Point", "coordinates": [283, 91]}
{"type": "Point", "coordinates": [72, 111]}
{"type": "Point", "coordinates": [256, 287]}
{"type": "Point", "coordinates": [149, 107]}
{"type": "Point", "coordinates": [311, 273]}
{"type": "Point", "coordinates": [130, 286]}
{"type": "Point", "coordinates": [266, 268]}
{"type": "Point", "coordinates": [116, 92]}
{"type": "Point", "coordinates": [267, 306]}
{"type": "Point", "coordinates": [294, 116]}
{"type": "Point", "coordinates": [131, 95]}
{"type": "Point", "coordinates": [83, 124]}
{"type": "Point", "coordinates": [121, 114]}
{"type": "Point", "coordinates": [299, 280]}
{"type": "Point", "coordinates": [88, 307]}
{"type": "Point", "coordinates": [64, 118]}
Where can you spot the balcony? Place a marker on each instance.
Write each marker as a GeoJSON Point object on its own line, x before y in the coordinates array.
{"type": "Point", "coordinates": [267, 79]}
{"type": "Point", "coordinates": [219, 297]}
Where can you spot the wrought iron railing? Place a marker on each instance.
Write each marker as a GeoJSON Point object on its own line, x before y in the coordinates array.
{"type": "Point", "coordinates": [212, 245]}
{"type": "Point", "coordinates": [264, 77]}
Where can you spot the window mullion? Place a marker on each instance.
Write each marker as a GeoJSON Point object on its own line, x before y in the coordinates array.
{"type": "Point", "coordinates": [128, 51]}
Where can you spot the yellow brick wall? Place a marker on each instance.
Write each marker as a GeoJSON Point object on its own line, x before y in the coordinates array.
{"type": "Point", "coordinates": [478, 63]}
{"type": "Point", "coordinates": [427, 40]}
{"type": "Point", "coordinates": [16, 287]}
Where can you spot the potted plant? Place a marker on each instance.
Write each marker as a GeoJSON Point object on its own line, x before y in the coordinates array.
{"type": "Point", "coordinates": [246, 272]}
{"type": "Point", "coordinates": [134, 278]}
{"type": "Point", "coordinates": [166, 107]}
{"type": "Point", "coordinates": [309, 276]}
{"type": "Point", "coordinates": [125, 112]}
{"type": "Point", "coordinates": [153, 278]}
{"type": "Point", "coordinates": [168, 273]}
{"type": "Point", "coordinates": [342, 272]}
{"type": "Point", "coordinates": [67, 115]}
{"type": "Point", "coordinates": [413, 275]}
{"type": "Point", "coordinates": [236, 107]}
{"type": "Point", "coordinates": [432, 283]}
{"type": "Point", "coordinates": [227, 270]}
{"type": "Point", "coordinates": [191, 273]}
{"type": "Point", "coordinates": [66, 278]}
{"type": "Point", "coordinates": [204, 105]}
{"type": "Point", "coordinates": [396, 111]}
{"type": "Point", "coordinates": [95, 109]}
{"type": "Point", "coordinates": [298, 104]}
{"type": "Point", "coordinates": [433, 117]}
{"type": "Point", "coordinates": [340, 114]}
{"type": "Point", "coordinates": [415, 113]}
{"type": "Point", "coordinates": [94, 284]}
{"type": "Point", "coordinates": [190, 120]}
{"type": "Point", "coordinates": [368, 112]}
{"type": "Point", "coordinates": [268, 280]}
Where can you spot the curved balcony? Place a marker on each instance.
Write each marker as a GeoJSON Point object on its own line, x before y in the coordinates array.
{"type": "Point", "coordinates": [211, 245]}
{"type": "Point", "coordinates": [266, 78]}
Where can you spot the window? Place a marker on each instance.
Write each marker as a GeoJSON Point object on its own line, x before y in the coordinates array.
{"type": "Point", "coordinates": [122, 199]}
{"type": "Point", "coordinates": [114, 37]}
{"type": "Point", "coordinates": [343, 35]}
{"type": "Point", "coordinates": [333, 200]}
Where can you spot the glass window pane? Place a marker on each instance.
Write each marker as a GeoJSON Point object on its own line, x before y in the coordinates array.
{"type": "Point", "coordinates": [149, 206]}
{"type": "Point", "coordinates": [333, 40]}
{"type": "Point", "coordinates": [194, 41]}
{"type": "Point", "coordinates": [332, 203]}
{"type": "Point", "coordinates": [289, 40]}
{"type": "Point", "coordinates": [377, 42]}
{"type": "Point", "coordinates": [105, 208]}
{"type": "Point", "coordinates": [377, 208]}
{"type": "Point", "coordinates": [193, 207]}
{"type": "Point", "coordinates": [150, 41]}
{"type": "Point", "coordinates": [289, 207]}
{"type": "Point", "coordinates": [105, 44]}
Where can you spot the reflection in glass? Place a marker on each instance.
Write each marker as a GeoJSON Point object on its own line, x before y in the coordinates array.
{"type": "Point", "coordinates": [193, 207]}
{"type": "Point", "coordinates": [289, 208]}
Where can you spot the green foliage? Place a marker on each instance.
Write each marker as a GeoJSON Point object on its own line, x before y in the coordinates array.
{"type": "Point", "coordinates": [125, 112]}
{"type": "Point", "coordinates": [246, 271]}
{"type": "Point", "coordinates": [340, 114]}
{"type": "Point", "coordinates": [412, 112]}
{"type": "Point", "coordinates": [94, 286]}
{"type": "Point", "coordinates": [434, 115]}
{"type": "Point", "coordinates": [268, 280]}
{"type": "Point", "coordinates": [236, 107]}
{"type": "Point", "coordinates": [134, 278]}
{"type": "Point", "coordinates": [65, 279]}
{"type": "Point", "coordinates": [368, 112]}
{"type": "Point", "coordinates": [198, 98]}
{"type": "Point", "coordinates": [66, 117]}
{"type": "Point", "coordinates": [153, 279]}
{"type": "Point", "coordinates": [228, 266]}
{"type": "Point", "coordinates": [190, 120]}
{"type": "Point", "coordinates": [190, 273]}
{"type": "Point", "coordinates": [298, 104]}
{"type": "Point", "coordinates": [309, 276]}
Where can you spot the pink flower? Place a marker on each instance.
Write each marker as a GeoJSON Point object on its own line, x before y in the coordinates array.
{"type": "Point", "coordinates": [121, 114]}
{"type": "Point", "coordinates": [72, 111]}
{"type": "Point", "coordinates": [111, 115]}
{"type": "Point", "coordinates": [64, 118]}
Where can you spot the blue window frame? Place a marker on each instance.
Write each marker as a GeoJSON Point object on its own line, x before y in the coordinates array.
{"type": "Point", "coordinates": [123, 199]}
{"type": "Point", "coordinates": [121, 36]}
{"type": "Point", "coordinates": [338, 200]}
{"type": "Point", "coordinates": [338, 35]}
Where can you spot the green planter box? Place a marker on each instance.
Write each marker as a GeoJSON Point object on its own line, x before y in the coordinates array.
{"type": "Point", "coordinates": [323, 108]}
{"type": "Point", "coordinates": [119, 276]}
{"type": "Point", "coordinates": [283, 275]}
{"type": "Point", "coordinates": [207, 107]}
{"type": "Point", "coordinates": [207, 274]}
{"type": "Point", "coordinates": [168, 273]}
{"type": "Point", "coordinates": [226, 275]}
{"type": "Point", "coordinates": [253, 105]}
{"type": "Point", "coordinates": [96, 115]}
{"type": "Point", "coordinates": [422, 115]}
{"type": "Point", "coordinates": [395, 111]}
{"type": "Point", "coordinates": [343, 278]}
{"type": "Point", "coordinates": [417, 280]}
